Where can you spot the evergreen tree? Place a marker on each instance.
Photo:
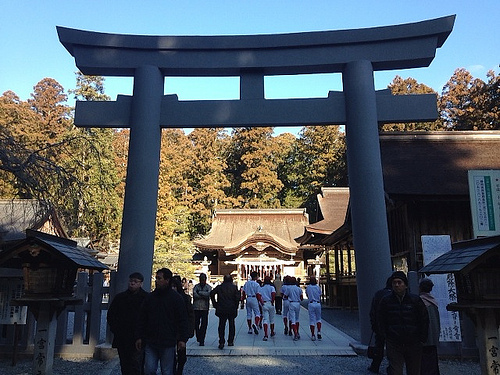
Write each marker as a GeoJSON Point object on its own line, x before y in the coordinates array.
{"type": "Point", "coordinates": [468, 103]}
{"type": "Point", "coordinates": [206, 177]}
{"type": "Point", "coordinates": [322, 159]}
{"type": "Point", "coordinates": [16, 121]}
{"type": "Point", "coordinates": [457, 101]}
{"type": "Point", "coordinates": [48, 100]}
{"type": "Point", "coordinates": [31, 147]}
{"type": "Point", "coordinates": [287, 146]}
{"type": "Point", "coordinates": [120, 146]}
{"type": "Point", "coordinates": [89, 88]}
{"type": "Point", "coordinates": [490, 103]}
{"type": "Point", "coordinates": [98, 212]}
{"type": "Point", "coordinates": [252, 165]}
{"type": "Point", "coordinates": [173, 247]}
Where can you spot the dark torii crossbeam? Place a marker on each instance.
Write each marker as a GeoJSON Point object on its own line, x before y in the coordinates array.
{"type": "Point", "coordinates": [354, 53]}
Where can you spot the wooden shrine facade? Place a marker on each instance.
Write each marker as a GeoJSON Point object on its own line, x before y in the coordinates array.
{"type": "Point", "coordinates": [245, 240]}
{"type": "Point", "coordinates": [338, 278]}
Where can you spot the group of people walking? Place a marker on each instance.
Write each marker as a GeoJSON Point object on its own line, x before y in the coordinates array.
{"type": "Point", "coordinates": [287, 295]}
{"type": "Point", "coordinates": [152, 329]}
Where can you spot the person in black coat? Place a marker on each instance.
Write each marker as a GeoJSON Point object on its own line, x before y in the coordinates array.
{"type": "Point", "coordinates": [122, 318]}
{"type": "Point", "coordinates": [403, 321]}
{"type": "Point", "coordinates": [163, 325]}
{"type": "Point", "coordinates": [225, 298]}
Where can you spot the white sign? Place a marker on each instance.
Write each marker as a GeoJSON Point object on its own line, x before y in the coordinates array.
{"type": "Point", "coordinates": [444, 290]}
{"type": "Point", "coordinates": [484, 189]}
{"type": "Point", "coordinates": [11, 288]}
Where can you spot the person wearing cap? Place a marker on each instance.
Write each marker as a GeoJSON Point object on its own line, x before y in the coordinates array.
{"type": "Point", "coordinates": [122, 318]}
{"type": "Point", "coordinates": [249, 292]}
{"type": "Point", "coordinates": [278, 301]}
{"type": "Point", "coordinates": [430, 361]}
{"type": "Point", "coordinates": [266, 297]}
{"type": "Point", "coordinates": [404, 322]}
{"type": "Point", "coordinates": [313, 293]}
{"type": "Point", "coordinates": [294, 295]}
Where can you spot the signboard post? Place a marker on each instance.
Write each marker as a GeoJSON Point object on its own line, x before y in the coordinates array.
{"type": "Point", "coordinates": [444, 289]}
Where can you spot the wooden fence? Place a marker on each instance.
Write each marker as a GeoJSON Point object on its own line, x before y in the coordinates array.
{"type": "Point", "coordinates": [80, 328]}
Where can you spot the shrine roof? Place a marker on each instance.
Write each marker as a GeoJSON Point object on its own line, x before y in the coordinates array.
{"type": "Point", "coordinates": [436, 163]}
{"type": "Point", "coordinates": [333, 203]}
{"type": "Point", "coordinates": [61, 249]}
{"type": "Point", "coordinates": [423, 164]}
{"type": "Point", "coordinates": [233, 230]}
{"type": "Point", "coordinates": [464, 256]}
{"type": "Point", "coordinates": [17, 215]}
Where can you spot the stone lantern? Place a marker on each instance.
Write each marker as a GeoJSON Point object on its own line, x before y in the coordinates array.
{"type": "Point", "coordinates": [476, 266]}
{"type": "Point", "coordinates": [49, 265]}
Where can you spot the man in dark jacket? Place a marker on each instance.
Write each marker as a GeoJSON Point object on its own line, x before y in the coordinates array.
{"type": "Point", "coordinates": [403, 321]}
{"type": "Point", "coordinates": [225, 298]}
{"type": "Point", "coordinates": [162, 325]}
{"type": "Point", "coordinates": [123, 314]}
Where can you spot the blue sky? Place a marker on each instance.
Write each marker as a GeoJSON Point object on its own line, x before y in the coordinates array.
{"type": "Point", "coordinates": [30, 49]}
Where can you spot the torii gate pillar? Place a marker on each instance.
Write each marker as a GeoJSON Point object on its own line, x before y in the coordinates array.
{"type": "Point", "coordinates": [354, 53]}
{"type": "Point", "coordinates": [366, 185]}
{"type": "Point", "coordinates": [141, 189]}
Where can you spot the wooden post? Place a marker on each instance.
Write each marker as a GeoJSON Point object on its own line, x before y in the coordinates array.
{"type": "Point", "coordinates": [16, 344]}
{"type": "Point", "coordinates": [94, 319]}
{"type": "Point", "coordinates": [81, 288]}
{"type": "Point", "coordinates": [487, 341]}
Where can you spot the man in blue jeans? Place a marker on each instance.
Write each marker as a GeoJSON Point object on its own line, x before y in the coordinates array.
{"type": "Point", "coordinates": [162, 325]}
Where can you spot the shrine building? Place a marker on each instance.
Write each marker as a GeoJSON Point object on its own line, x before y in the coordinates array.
{"type": "Point", "coordinates": [245, 240]}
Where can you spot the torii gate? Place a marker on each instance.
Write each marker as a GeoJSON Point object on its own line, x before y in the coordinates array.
{"type": "Point", "coordinates": [354, 53]}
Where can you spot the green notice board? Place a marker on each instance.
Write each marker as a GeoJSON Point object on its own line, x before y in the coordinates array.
{"type": "Point", "coordinates": [484, 189]}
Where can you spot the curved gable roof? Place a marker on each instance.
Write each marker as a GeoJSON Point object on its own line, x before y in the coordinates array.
{"type": "Point", "coordinates": [333, 203]}
{"type": "Point", "coordinates": [234, 230]}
